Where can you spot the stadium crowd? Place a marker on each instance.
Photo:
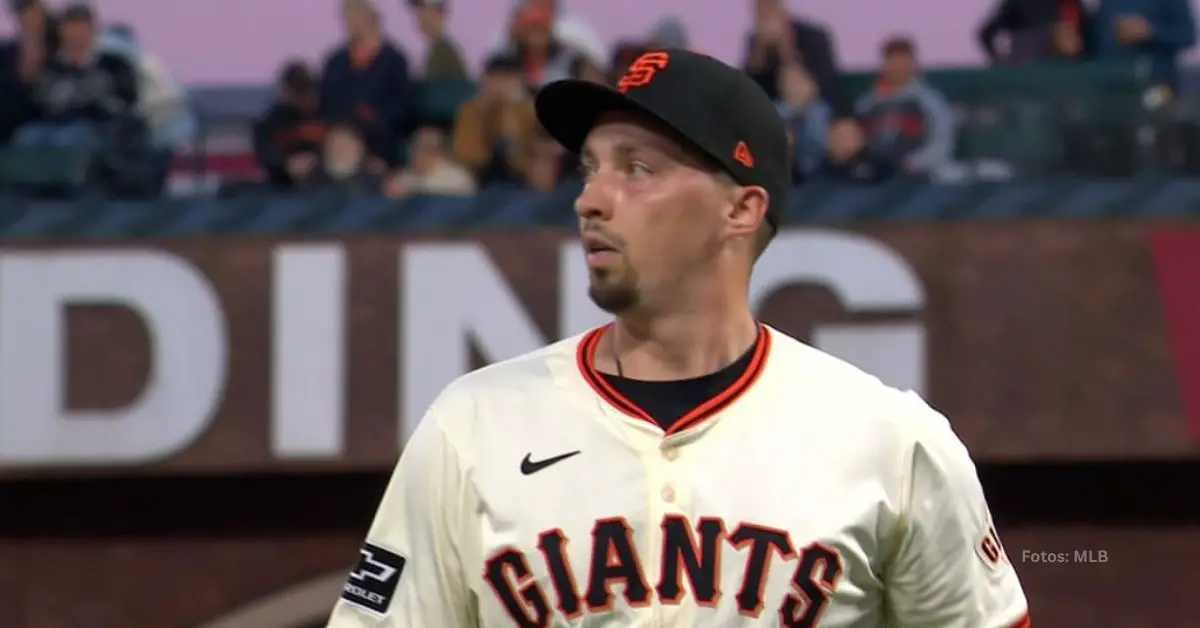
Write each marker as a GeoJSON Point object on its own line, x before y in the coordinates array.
{"type": "Point", "coordinates": [367, 121]}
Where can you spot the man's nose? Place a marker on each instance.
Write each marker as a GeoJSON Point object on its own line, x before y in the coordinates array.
{"type": "Point", "coordinates": [595, 201]}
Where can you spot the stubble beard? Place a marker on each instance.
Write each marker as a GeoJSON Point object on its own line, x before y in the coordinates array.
{"type": "Point", "coordinates": [613, 291]}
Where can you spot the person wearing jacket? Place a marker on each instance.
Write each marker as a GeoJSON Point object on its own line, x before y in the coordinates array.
{"type": "Point", "coordinates": [83, 91]}
{"type": "Point", "coordinates": [22, 60]}
{"type": "Point", "coordinates": [909, 127]}
{"type": "Point", "coordinates": [572, 34]}
{"type": "Point", "coordinates": [779, 39]}
{"type": "Point", "coordinates": [162, 99]}
{"type": "Point", "coordinates": [494, 131]}
{"type": "Point", "coordinates": [1037, 30]}
{"type": "Point", "coordinates": [443, 58]}
{"type": "Point", "coordinates": [807, 118]}
{"type": "Point", "coordinates": [1155, 30]}
{"type": "Point", "coordinates": [288, 138]}
{"type": "Point", "coordinates": [162, 106]}
{"type": "Point", "coordinates": [367, 79]}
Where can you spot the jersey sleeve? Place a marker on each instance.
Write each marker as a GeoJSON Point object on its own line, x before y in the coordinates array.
{"type": "Point", "coordinates": [948, 568]}
{"type": "Point", "coordinates": [409, 572]}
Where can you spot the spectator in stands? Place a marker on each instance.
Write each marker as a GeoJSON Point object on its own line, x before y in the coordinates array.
{"type": "Point", "coordinates": [442, 58]}
{"type": "Point", "coordinates": [548, 164]}
{"type": "Point", "coordinates": [344, 162]}
{"type": "Point", "coordinates": [780, 37]}
{"type": "Point", "coordinates": [22, 61]}
{"type": "Point", "coordinates": [807, 118]}
{"type": "Point", "coordinates": [288, 139]}
{"type": "Point", "coordinates": [1036, 30]}
{"type": "Point", "coordinates": [1158, 30]}
{"type": "Point", "coordinates": [84, 96]}
{"type": "Point", "coordinates": [430, 169]}
{"type": "Point", "coordinates": [367, 80]}
{"type": "Point", "coordinates": [569, 30]}
{"type": "Point", "coordinates": [162, 103]}
{"type": "Point", "coordinates": [909, 126]}
{"type": "Point", "coordinates": [494, 131]}
{"type": "Point", "coordinates": [543, 59]}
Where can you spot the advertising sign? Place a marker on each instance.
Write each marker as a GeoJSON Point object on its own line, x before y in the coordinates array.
{"type": "Point", "coordinates": [1038, 340]}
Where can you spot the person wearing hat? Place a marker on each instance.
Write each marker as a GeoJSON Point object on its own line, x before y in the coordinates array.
{"type": "Point", "coordinates": [289, 136]}
{"type": "Point", "coordinates": [684, 465]}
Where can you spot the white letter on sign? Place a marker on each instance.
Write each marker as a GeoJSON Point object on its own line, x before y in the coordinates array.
{"type": "Point", "coordinates": [866, 276]}
{"type": "Point", "coordinates": [308, 351]}
{"type": "Point", "coordinates": [452, 295]}
{"type": "Point", "coordinates": [188, 357]}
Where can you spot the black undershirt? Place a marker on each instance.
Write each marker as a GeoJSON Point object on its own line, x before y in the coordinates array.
{"type": "Point", "coordinates": [667, 402]}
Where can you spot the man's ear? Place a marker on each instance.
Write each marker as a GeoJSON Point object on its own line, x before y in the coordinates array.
{"type": "Point", "coordinates": [748, 210]}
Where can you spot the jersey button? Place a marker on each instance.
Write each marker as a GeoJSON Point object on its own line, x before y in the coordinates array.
{"type": "Point", "coordinates": [671, 454]}
{"type": "Point", "coordinates": [668, 493]}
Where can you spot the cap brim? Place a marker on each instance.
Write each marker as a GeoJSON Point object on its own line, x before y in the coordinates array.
{"type": "Point", "coordinates": [569, 109]}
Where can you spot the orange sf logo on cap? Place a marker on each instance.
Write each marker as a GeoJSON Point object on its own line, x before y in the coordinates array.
{"type": "Point", "coordinates": [642, 70]}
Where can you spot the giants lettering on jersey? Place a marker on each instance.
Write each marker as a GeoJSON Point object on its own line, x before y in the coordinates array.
{"type": "Point", "coordinates": [691, 552]}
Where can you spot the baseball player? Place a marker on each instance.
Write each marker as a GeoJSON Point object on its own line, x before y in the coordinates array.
{"type": "Point", "coordinates": [685, 465]}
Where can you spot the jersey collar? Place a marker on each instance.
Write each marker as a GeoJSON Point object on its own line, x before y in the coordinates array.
{"type": "Point", "coordinates": [586, 356]}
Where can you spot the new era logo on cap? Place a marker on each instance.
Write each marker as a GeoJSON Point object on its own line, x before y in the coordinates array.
{"type": "Point", "coordinates": [717, 109]}
{"type": "Point", "coordinates": [741, 154]}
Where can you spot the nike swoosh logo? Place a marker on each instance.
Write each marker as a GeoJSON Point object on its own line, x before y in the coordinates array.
{"type": "Point", "coordinates": [529, 466]}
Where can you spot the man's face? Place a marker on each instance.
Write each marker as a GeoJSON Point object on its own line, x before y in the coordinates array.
{"type": "Point", "coordinates": [77, 39]}
{"type": "Point", "coordinates": [306, 101]}
{"type": "Point", "coordinates": [898, 67]}
{"type": "Point", "coordinates": [549, 6]}
{"type": "Point", "coordinates": [343, 153]}
{"type": "Point", "coordinates": [650, 215]}
{"type": "Point", "coordinates": [32, 18]}
{"type": "Point", "coordinates": [766, 9]}
{"type": "Point", "coordinates": [430, 19]}
{"type": "Point", "coordinates": [534, 35]}
{"type": "Point", "coordinates": [359, 21]}
{"type": "Point", "coordinates": [303, 99]}
{"type": "Point", "coordinates": [796, 85]}
{"type": "Point", "coordinates": [499, 85]}
{"type": "Point", "coordinates": [427, 145]}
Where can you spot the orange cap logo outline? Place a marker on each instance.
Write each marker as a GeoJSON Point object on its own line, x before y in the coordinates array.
{"type": "Point", "coordinates": [642, 70]}
{"type": "Point", "coordinates": [741, 154]}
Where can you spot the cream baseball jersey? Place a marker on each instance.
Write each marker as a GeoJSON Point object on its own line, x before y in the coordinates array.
{"type": "Point", "coordinates": [533, 494]}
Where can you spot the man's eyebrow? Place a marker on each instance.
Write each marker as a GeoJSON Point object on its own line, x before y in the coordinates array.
{"type": "Point", "coordinates": [625, 149]}
{"type": "Point", "coordinates": [622, 150]}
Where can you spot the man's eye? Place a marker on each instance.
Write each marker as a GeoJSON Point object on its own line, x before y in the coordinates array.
{"type": "Point", "coordinates": [636, 168]}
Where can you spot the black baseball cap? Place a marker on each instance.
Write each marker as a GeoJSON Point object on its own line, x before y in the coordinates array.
{"type": "Point", "coordinates": [718, 109]}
